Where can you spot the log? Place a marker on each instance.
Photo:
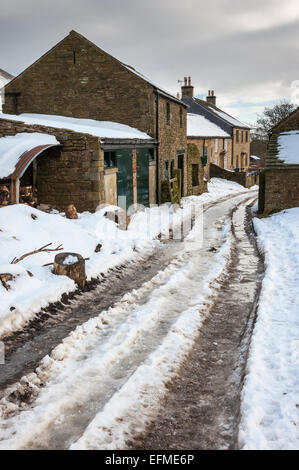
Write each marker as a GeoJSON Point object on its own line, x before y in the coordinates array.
{"type": "Point", "coordinates": [71, 265]}
{"type": "Point", "coordinates": [71, 212]}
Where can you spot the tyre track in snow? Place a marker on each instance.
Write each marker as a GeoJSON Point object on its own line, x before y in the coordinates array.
{"type": "Point", "coordinates": [202, 406]}
{"type": "Point", "coordinates": [98, 359]}
{"type": "Point", "coordinates": [25, 348]}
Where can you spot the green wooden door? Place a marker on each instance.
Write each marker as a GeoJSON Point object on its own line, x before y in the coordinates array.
{"type": "Point", "coordinates": [142, 164]}
{"type": "Point", "coordinates": [124, 178]}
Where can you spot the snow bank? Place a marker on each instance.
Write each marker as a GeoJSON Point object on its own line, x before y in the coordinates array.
{"type": "Point", "coordinates": [13, 147]}
{"type": "Point", "coordinates": [21, 233]}
{"type": "Point", "coordinates": [270, 399]}
{"type": "Point", "coordinates": [86, 126]}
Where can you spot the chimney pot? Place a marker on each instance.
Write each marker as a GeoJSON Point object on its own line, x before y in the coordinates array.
{"type": "Point", "coordinates": [187, 89]}
{"type": "Point", "coordinates": [211, 98]}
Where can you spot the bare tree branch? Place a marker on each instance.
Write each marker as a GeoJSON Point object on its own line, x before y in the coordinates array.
{"type": "Point", "coordinates": [43, 249]}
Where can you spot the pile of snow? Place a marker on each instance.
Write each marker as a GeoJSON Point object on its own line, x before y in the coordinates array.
{"type": "Point", "coordinates": [270, 400]}
{"type": "Point", "coordinates": [288, 147]}
{"type": "Point", "coordinates": [21, 233]}
{"type": "Point", "coordinates": [199, 126]}
{"type": "Point", "coordinates": [70, 259]}
{"type": "Point", "coordinates": [104, 129]}
{"type": "Point", "coordinates": [13, 147]}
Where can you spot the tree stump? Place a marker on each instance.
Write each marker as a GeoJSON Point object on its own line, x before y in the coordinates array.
{"type": "Point", "coordinates": [71, 265]}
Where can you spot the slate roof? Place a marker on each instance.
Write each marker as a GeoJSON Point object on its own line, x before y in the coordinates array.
{"type": "Point", "coordinates": [214, 114]}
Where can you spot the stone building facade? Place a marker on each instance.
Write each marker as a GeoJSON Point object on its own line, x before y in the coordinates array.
{"type": "Point", "coordinates": [78, 79]}
{"type": "Point", "coordinates": [75, 172]}
{"type": "Point", "coordinates": [231, 153]}
{"type": "Point", "coordinates": [279, 188]}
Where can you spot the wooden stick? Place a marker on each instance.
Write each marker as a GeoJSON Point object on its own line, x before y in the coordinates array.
{"type": "Point", "coordinates": [43, 249]}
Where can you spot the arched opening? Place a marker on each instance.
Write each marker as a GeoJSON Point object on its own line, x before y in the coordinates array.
{"type": "Point", "coordinates": [23, 182]}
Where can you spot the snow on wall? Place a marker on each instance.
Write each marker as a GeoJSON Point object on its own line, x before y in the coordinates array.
{"type": "Point", "coordinates": [13, 147]}
{"type": "Point", "coordinates": [288, 147]}
{"type": "Point", "coordinates": [102, 129]}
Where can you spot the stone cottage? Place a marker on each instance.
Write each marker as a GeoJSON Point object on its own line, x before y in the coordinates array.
{"type": "Point", "coordinates": [229, 148]}
{"type": "Point", "coordinates": [279, 186]}
{"type": "Point", "coordinates": [74, 161]}
{"type": "Point", "coordinates": [78, 79]}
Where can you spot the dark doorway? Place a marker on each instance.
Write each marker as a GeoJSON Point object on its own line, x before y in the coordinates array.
{"type": "Point", "coordinates": [181, 167]}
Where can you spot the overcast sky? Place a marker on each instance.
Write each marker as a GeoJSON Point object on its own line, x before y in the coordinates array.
{"type": "Point", "coordinates": [247, 51]}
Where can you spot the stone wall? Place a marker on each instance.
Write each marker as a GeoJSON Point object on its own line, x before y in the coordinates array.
{"type": "Point", "coordinates": [90, 84]}
{"type": "Point", "coordinates": [193, 158]}
{"type": "Point", "coordinates": [281, 190]}
{"type": "Point", "coordinates": [78, 79]}
{"type": "Point", "coordinates": [213, 156]}
{"type": "Point", "coordinates": [172, 137]}
{"type": "Point", "coordinates": [246, 180]}
{"type": "Point", "coordinates": [72, 174]}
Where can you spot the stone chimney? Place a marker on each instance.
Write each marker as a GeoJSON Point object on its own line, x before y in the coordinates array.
{"type": "Point", "coordinates": [187, 89]}
{"type": "Point", "coordinates": [211, 98]}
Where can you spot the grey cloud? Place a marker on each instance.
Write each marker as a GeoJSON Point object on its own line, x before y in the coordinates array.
{"type": "Point", "coordinates": [211, 41]}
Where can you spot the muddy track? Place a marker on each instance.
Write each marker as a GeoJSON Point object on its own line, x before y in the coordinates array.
{"type": "Point", "coordinates": [202, 407]}
{"type": "Point", "coordinates": [25, 348]}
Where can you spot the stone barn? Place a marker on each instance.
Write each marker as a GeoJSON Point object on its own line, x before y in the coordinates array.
{"type": "Point", "coordinates": [60, 161]}
{"type": "Point", "coordinates": [78, 79]}
{"type": "Point", "coordinates": [279, 183]}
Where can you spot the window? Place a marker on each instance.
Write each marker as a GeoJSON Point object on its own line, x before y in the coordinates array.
{"type": "Point", "coordinates": [167, 113]}
{"type": "Point", "coordinates": [225, 144]}
{"type": "Point", "coordinates": [181, 118]}
{"type": "Point", "coordinates": [246, 134]}
{"type": "Point", "coordinates": [109, 159]}
{"type": "Point", "coordinates": [195, 180]}
{"type": "Point", "coordinates": [242, 136]}
{"type": "Point", "coordinates": [74, 57]}
{"type": "Point", "coordinates": [166, 166]}
{"type": "Point", "coordinates": [216, 145]}
{"type": "Point", "coordinates": [237, 136]}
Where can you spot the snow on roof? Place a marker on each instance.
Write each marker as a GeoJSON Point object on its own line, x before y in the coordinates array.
{"type": "Point", "coordinates": [13, 147]}
{"type": "Point", "coordinates": [228, 118]}
{"type": "Point", "coordinates": [254, 157]}
{"type": "Point", "coordinates": [103, 129]}
{"type": "Point", "coordinates": [199, 126]}
{"type": "Point", "coordinates": [288, 147]}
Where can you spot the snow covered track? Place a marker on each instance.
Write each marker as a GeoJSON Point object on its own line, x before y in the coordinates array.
{"type": "Point", "coordinates": [108, 377]}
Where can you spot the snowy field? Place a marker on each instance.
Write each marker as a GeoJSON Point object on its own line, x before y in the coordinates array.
{"type": "Point", "coordinates": [270, 403]}
{"type": "Point", "coordinates": [24, 229]}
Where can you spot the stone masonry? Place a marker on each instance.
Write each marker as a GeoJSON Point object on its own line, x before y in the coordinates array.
{"type": "Point", "coordinates": [72, 174]}
{"type": "Point", "coordinates": [78, 79]}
